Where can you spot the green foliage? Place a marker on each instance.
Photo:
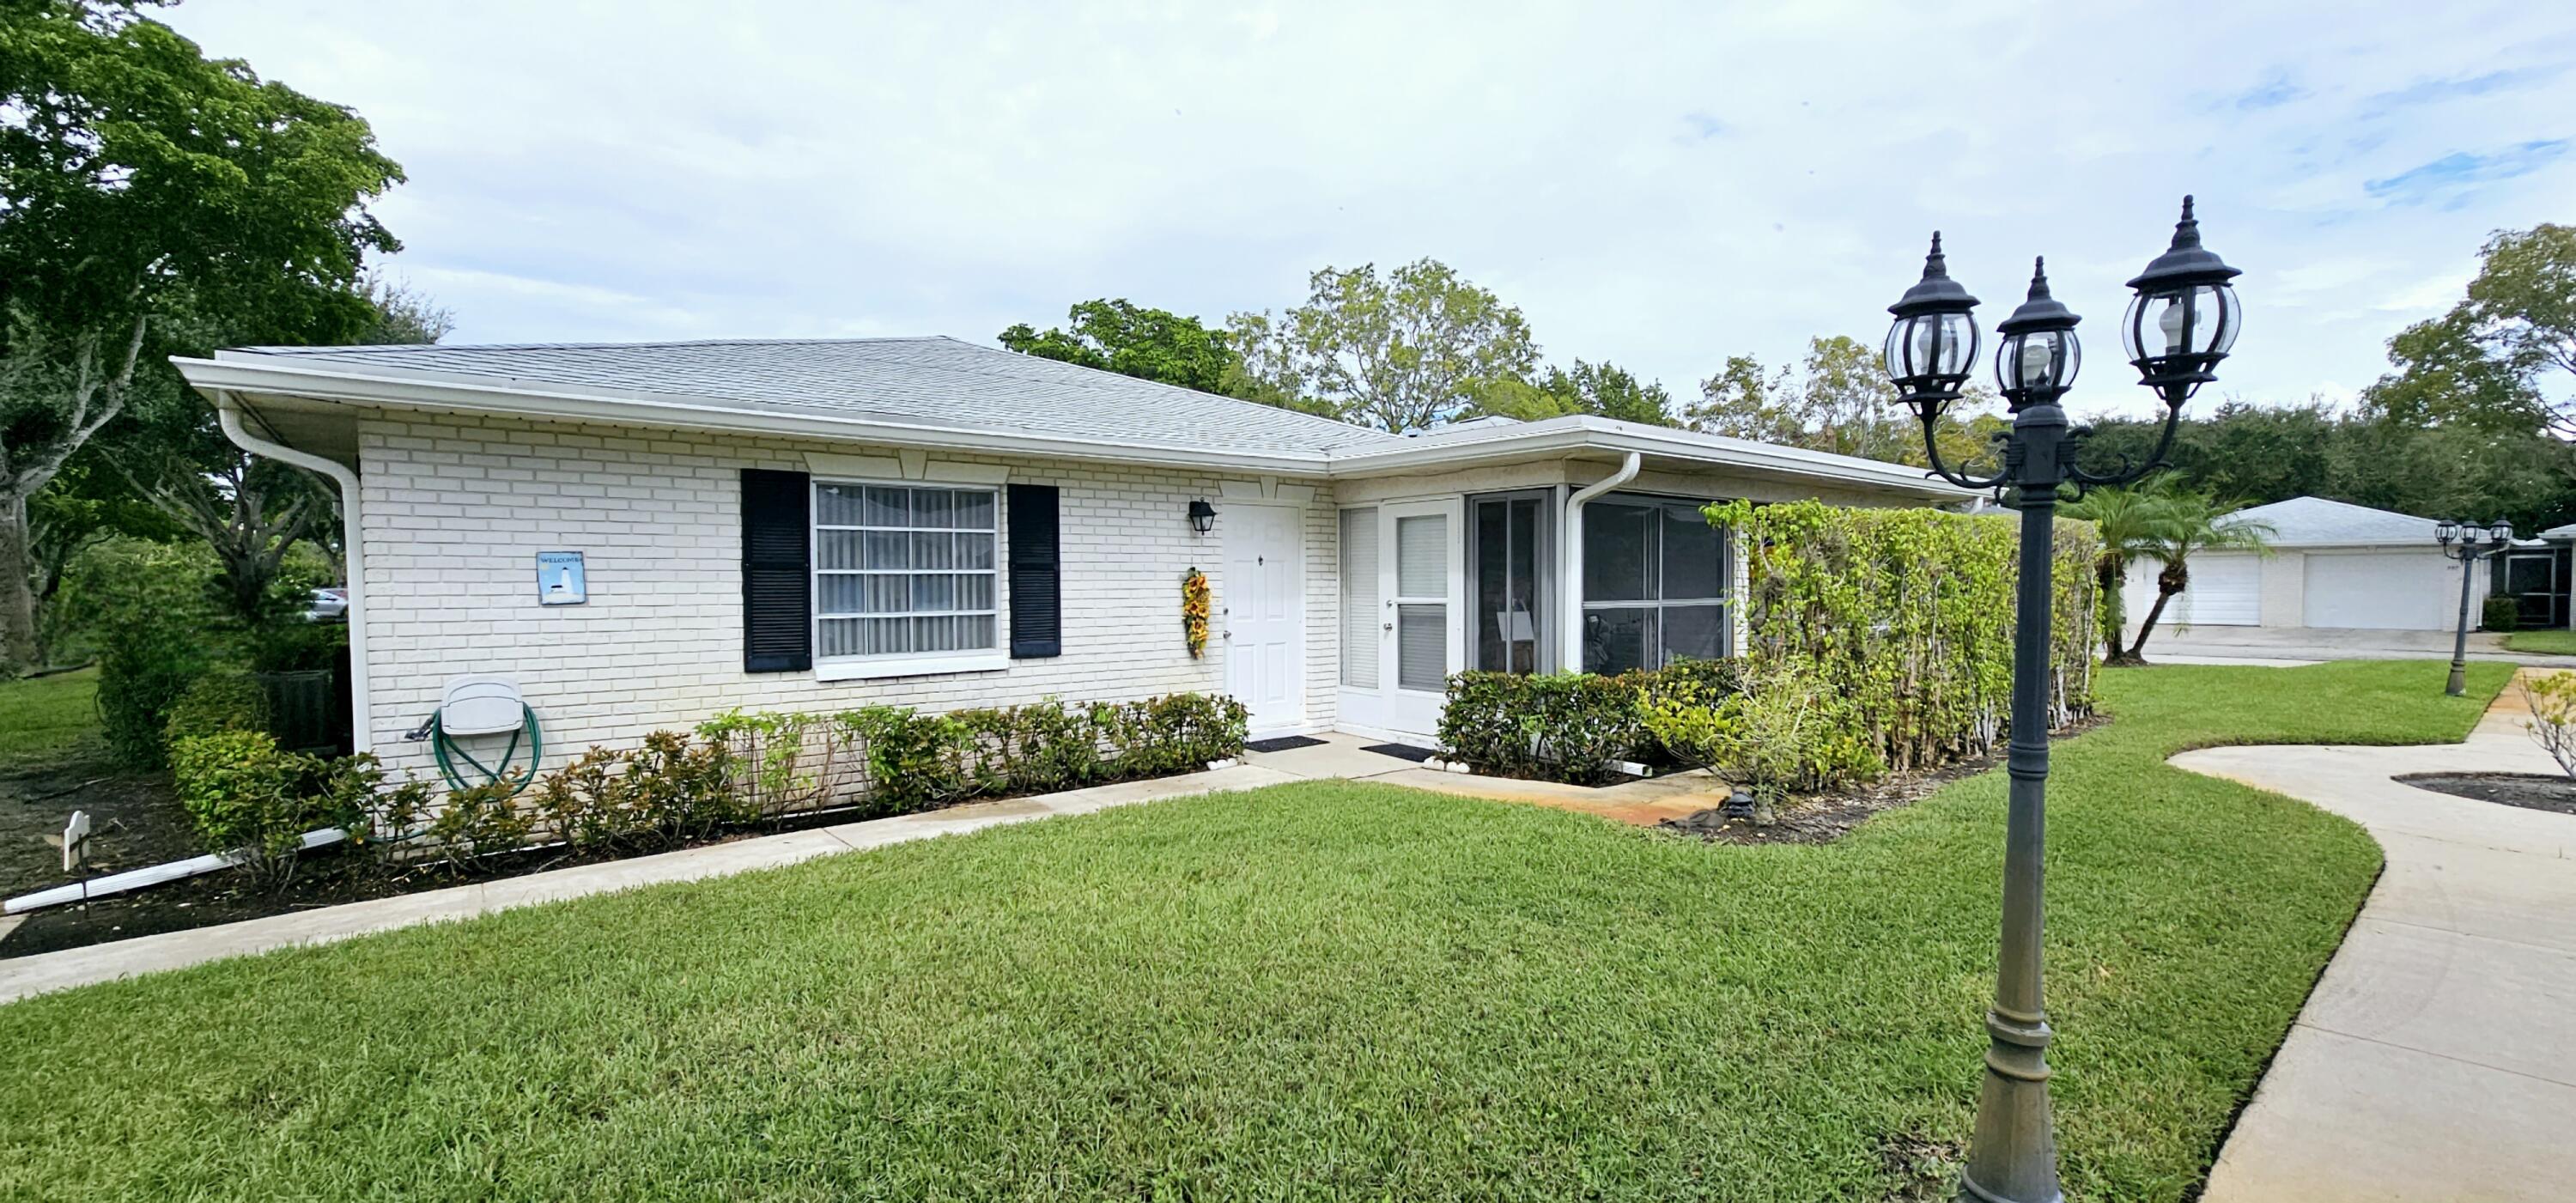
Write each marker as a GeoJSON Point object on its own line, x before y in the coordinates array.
{"type": "Point", "coordinates": [149, 616]}
{"type": "Point", "coordinates": [669, 788]}
{"type": "Point", "coordinates": [1755, 735]}
{"type": "Point", "coordinates": [2186, 525]}
{"type": "Point", "coordinates": [1572, 727]}
{"type": "Point", "coordinates": [1840, 401]}
{"type": "Point", "coordinates": [916, 761]}
{"type": "Point", "coordinates": [2552, 698]}
{"type": "Point", "coordinates": [2500, 614]}
{"type": "Point", "coordinates": [1402, 351]}
{"type": "Point", "coordinates": [1600, 389]}
{"type": "Point", "coordinates": [776, 767]}
{"type": "Point", "coordinates": [219, 700]}
{"type": "Point", "coordinates": [1902, 619]}
{"type": "Point", "coordinates": [481, 820]}
{"type": "Point", "coordinates": [48, 721]}
{"type": "Point", "coordinates": [1149, 344]}
{"type": "Point", "coordinates": [2501, 359]}
{"type": "Point", "coordinates": [247, 796]}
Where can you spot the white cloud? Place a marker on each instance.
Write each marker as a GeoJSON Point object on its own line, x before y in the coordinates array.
{"type": "Point", "coordinates": [1659, 186]}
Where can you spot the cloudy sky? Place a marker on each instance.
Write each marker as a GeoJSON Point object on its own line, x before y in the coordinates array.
{"type": "Point", "coordinates": [1657, 186]}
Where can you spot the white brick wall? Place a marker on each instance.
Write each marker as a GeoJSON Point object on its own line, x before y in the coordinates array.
{"type": "Point", "coordinates": [456, 508]}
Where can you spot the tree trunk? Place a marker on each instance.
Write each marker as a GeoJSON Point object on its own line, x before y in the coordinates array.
{"type": "Point", "coordinates": [2137, 650]}
{"type": "Point", "coordinates": [18, 650]}
{"type": "Point", "coordinates": [2111, 575]}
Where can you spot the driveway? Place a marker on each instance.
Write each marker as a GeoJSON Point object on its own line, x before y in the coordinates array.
{"type": "Point", "coordinates": [2437, 1058]}
{"type": "Point", "coordinates": [2307, 645]}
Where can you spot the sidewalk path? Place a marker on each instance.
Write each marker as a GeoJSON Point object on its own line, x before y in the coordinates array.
{"type": "Point", "coordinates": [22, 976]}
{"type": "Point", "coordinates": [2437, 1058]}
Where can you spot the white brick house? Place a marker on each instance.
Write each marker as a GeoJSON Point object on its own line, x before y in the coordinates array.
{"type": "Point", "coordinates": [823, 525]}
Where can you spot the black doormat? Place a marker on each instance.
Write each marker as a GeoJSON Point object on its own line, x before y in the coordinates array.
{"type": "Point", "coordinates": [1402, 752]}
{"type": "Point", "coordinates": [1281, 744]}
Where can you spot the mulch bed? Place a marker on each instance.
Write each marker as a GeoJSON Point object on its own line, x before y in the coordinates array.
{"type": "Point", "coordinates": [1824, 818]}
{"type": "Point", "coordinates": [2531, 791]}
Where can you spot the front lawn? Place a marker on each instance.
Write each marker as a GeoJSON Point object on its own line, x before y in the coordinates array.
{"type": "Point", "coordinates": [1323, 990]}
{"type": "Point", "coordinates": [2543, 643]}
{"type": "Point", "coordinates": [45, 720]}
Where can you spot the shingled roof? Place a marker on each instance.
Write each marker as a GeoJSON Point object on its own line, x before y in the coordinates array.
{"type": "Point", "coordinates": [941, 380]}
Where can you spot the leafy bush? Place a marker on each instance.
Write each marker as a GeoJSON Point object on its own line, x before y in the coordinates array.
{"type": "Point", "coordinates": [1902, 619]}
{"type": "Point", "coordinates": [218, 700]}
{"type": "Point", "coordinates": [149, 624]}
{"type": "Point", "coordinates": [2500, 614]}
{"type": "Point", "coordinates": [778, 769]}
{"type": "Point", "coordinates": [923, 760]}
{"type": "Point", "coordinates": [247, 795]}
{"type": "Point", "coordinates": [2553, 716]}
{"type": "Point", "coordinates": [1572, 727]}
{"type": "Point", "coordinates": [1756, 737]}
{"type": "Point", "coordinates": [481, 820]}
{"type": "Point", "coordinates": [669, 788]}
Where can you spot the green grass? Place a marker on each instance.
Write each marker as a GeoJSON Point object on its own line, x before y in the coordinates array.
{"type": "Point", "coordinates": [2548, 643]}
{"type": "Point", "coordinates": [1324, 990]}
{"type": "Point", "coordinates": [46, 720]}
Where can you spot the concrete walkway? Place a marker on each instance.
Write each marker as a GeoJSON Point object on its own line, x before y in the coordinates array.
{"type": "Point", "coordinates": [1640, 803]}
{"type": "Point", "coordinates": [23, 976]}
{"type": "Point", "coordinates": [2307, 645]}
{"type": "Point", "coordinates": [2437, 1058]}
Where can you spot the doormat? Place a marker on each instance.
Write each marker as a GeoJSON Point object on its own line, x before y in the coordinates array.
{"type": "Point", "coordinates": [1403, 752]}
{"type": "Point", "coordinates": [1281, 744]}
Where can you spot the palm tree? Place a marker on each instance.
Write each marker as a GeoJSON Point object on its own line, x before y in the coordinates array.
{"type": "Point", "coordinates": [2131, 523]}
{"type": "Point", "coordinates": [2192, 524]}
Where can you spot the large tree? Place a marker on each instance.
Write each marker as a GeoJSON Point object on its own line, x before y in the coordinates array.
{"type": "Point", "coordinates": [1403, 350]}
{"type": "Point", "coordinates": [1149, 344]}
{"type": "Point", "coordinates": [140, 179]}
{"type": "Point", "coordinates": [2504, 358]}
{"type": "Point", "coordinates": [1603, 390]}
{"type": "Point", "coordinates": [1838, 400]}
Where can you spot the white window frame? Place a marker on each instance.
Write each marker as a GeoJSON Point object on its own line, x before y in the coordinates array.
{"type": "Point", "coordinates": [904, 664]}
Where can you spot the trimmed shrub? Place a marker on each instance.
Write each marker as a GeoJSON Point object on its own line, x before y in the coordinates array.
{"type": "Point", "coordinates": [219, 700]}
{"type": "Point", "coordinates": [149, 624]}
{"type": "Point", "coordinates": [247, 795]}
{"type": "Point", "coordinates": [669, 788]}
{"type": "Point", "coordinates": [1572, 727]}
{"type": "Point", "coordinates": [917, 761]}
{"type": "Point", "coordinates": [2500, 614]}
{"type": "Point", "coordinates": [1903, 621]}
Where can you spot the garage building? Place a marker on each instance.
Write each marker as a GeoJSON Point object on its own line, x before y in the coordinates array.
{"type": "Point", "coordinates": [2331, 564]}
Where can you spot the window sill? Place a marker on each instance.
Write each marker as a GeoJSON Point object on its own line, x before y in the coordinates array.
{"type": "Point", "coordinates": [913, 666]}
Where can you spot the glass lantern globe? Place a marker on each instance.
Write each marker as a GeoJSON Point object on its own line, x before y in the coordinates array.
{"type": "Point", "coordinates": [2185, 316]}
{"type": "Point", "coordinates": [2446, 532]}
{"type": "Point", "coordinates": [1932, 345]}
{"type": "Point", "coordinates": [2039, 356]}
{"type": "Point", "coordinates": [2500, 534]}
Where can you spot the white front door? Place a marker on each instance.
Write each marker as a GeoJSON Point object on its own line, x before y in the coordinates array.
{"type": "Point", "coordinates": [1261, 615]}
{"type": "Point", "coordinates": [1422, 636]}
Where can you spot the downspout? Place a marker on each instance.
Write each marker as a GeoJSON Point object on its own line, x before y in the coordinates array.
{"type": "Point", "coordinates": [229, 412]}
{"type": "Point", "coordinates": [1569, 568]}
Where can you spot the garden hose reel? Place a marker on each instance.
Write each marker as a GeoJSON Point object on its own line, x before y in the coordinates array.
{"type": "Point", "coordinates": [482, 707]}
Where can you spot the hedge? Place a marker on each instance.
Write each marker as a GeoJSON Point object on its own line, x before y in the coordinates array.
{"type": "Point", "coordinates": [1904, 619]}
{"type": "Point", "coordinates": [1573, 727]}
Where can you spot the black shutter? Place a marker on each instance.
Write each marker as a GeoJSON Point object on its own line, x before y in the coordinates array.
{"type": "Point", "coordinates": [777, 576]}
{"type": "Point", "coordinates": [1037, 574]}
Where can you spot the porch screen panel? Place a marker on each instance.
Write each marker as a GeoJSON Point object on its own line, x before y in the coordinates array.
{"type": "Point", "coordinates": [1655, 585]}
{"type": "Point", "coordinates": [1360, 600]}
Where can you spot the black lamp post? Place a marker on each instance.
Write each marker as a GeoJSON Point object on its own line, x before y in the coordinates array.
{"type": "Point", "coordinates": [2468, 542]}
{"type": "Point", "coordinates": [2180, 325]}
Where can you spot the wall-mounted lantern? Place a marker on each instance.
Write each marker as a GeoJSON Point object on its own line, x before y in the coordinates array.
{"type": "Point", "coordinates": [1202, 516]}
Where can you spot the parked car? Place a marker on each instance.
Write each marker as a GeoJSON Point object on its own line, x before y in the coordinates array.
{"type": "Point", "coordinates": [328, 605]}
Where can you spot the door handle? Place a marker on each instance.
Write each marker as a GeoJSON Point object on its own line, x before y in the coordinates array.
{"type": "Point", "coordinates": [1390, 626]}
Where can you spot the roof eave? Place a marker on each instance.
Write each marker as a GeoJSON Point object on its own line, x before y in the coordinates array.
{"type": "Point", "coordinates": [1591, 434]}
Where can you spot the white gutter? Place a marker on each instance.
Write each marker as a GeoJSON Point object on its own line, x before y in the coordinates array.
{"type": "Point", "coordinates": [1569, 569]}
{"type": "Point", "coordinates": [228, 411]}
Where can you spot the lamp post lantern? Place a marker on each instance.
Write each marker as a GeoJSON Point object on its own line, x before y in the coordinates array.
{"type": "Point", "coordinates": [2180, 325]}
{"type": "Point", "coordinates": [2468, 542]}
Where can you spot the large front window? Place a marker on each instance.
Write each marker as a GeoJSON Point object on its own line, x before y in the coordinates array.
{"type": "Point", "coordinates": [904, 572]}
{"type": "Point", "coordinates": [1654, 584]}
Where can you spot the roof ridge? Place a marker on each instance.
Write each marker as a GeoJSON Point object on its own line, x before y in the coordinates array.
{"type": "Point", "coordinates": [626, 344]}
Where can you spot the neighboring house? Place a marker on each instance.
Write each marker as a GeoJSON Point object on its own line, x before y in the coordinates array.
{"type": "Point", "coordinates": [2537, 576]}
{"type": "Point", "coordinates": [921, 521]}
{"type": "Point", "coordinates": [2331, 564]}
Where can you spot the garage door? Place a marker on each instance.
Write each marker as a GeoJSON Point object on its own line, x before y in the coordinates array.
{"type": "Point", "coordinates": [2407, 591]}
{"type": "Point", "coordinates": [2226, 590]}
